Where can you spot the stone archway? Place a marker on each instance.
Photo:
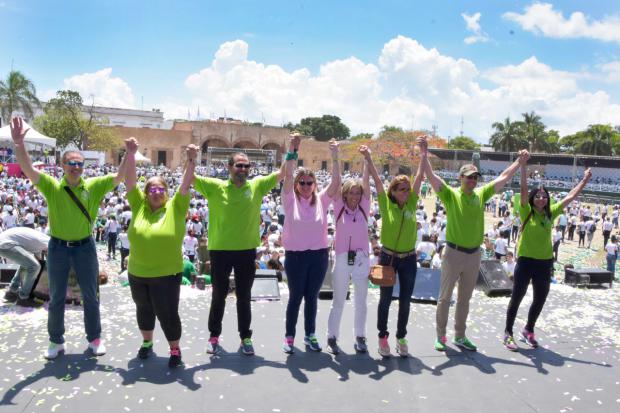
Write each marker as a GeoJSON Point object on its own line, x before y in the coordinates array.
{"type": "Point", "coordinates": [276, 147]}
{"type": "Point", "coordinates": [245, 144]}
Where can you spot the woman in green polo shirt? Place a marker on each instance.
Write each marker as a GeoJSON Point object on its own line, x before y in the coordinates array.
{"type": "Point", "coordinates": [535, 254]}
{"type": "Point", "coordinates": [155, 265]}
{"type": "Point", "coordinates": [398, 207]}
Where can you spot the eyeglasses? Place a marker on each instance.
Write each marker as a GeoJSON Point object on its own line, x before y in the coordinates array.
{"type": "Point", "coordinates": [403, 189]}
{"type": "Point", "coordinates": [541, 197]}
{"type": "Point", "coordinates": [304, 183]}
{"type": "Point", "coordinates": [79, 164]}
{"type": "Point", "coordinates": [156, 190]}
{"type": "Point", "coordinates": [243, 165]}
{"type": "Point", "coordinates": [473, 177]}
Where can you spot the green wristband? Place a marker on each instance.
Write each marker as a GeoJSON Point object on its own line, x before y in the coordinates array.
{"type": "Point", "coordinates": [291, 156]}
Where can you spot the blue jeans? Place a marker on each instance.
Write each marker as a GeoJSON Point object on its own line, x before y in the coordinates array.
{"type": "Point", "coordinates": [83, 259]}
{"type": "Point", "coordinates": [406, 269]}
{"type": "Point", "coordinates": [611, 263]}
{"type": "Point", "coordinates": [305, 271]}
{"type": "Point", "coordinates": [29, 268]}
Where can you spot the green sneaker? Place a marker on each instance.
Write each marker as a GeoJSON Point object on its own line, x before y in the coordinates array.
{"type": "Point", "coordinates": [463, 342]}
{"type": "Point", "coordinates": [440, 343]}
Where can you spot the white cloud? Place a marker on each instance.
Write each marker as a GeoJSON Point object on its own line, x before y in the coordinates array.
{"type": "Point", "coordinates": [611, 71]}
{"type": "Point", "coordinates": [473, 25]}
{"type": "Point", "coordinates": [543, 19]}
{"type": "Point", "coordinates": [409, 83]}
{"type": "Point", "coordinates": [106, 90]}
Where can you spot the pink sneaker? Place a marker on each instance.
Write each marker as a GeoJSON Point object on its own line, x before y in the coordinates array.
{"type": "Point", "coordinates": [287, 346]}
{"type": "Point", "coordinates": [384, 347]}
{"type": "Point", "coordinates": [213, 345]}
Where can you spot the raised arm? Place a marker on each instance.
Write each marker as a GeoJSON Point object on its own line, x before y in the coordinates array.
{"type": "Point", "coordinates": [366, 180]}
{"type": "Point", "coordinates": [18, 134]}
{"type": "Point", "coordinates": [417, 181]}
{"type": "Point", "coordinates": [334, 186]}
{"type": "Point", "coordinates": [190, 165]}
{"type": "Point", "coordinates": [577, 190]}
{"type": "Point", "coordinates": [523, 184]}
{"type": "Point", "coordinates": [290, 163]}
{"type": "Point", "coordinates": [508, 173]}
{"type": "Point", "coordinates": [372, 170]}
{"type": "Point", "coordinates": [436, 182]}
{"type": "Point", "coordinates": [131, 146]}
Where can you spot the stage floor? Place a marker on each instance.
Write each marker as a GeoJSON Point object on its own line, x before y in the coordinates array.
{"type": "Point", "coordinates": [576, 370]}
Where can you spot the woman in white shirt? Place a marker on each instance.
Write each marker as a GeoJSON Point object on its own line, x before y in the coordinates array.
{"type": "Point", "coordinates": [612, 254]}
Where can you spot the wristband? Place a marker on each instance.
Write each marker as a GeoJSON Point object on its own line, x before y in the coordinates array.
{"type": "Point", "coordinates": [291, 156]}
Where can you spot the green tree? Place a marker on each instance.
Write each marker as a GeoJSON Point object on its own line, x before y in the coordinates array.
{"type": "Point", "coordinates": [596, 140]}
{"type": "Point", "coordinates": [17, 93]}
{"type": "Point", "coordinates": [506, 137]}
{"type": "Point", "coordinates": [533, 131]}
{"type": "Point", "coordinates": [463, 142]}
{"type": "Point", "coordinates": [553, 141]}
{"type": "Point", "coordinates": [68, 121]}
{"type": "Point", "coordinates": [324, 128]}
{"type": "Point", "coordinates": [361, 136]}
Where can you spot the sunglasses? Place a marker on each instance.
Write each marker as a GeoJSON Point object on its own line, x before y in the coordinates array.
{"type": "Point", "coordinates": [541, 197]}
{"type": "Point", "coordinates": [473, 177]}
{"type": "Point", "coordinates": [402, 189]}
{"type": "Point", "coordinates": [242, 165]}
{"type": "Point", "coordinates": [79, 164]}
{"type": "Point", "coordinates": [304, 183]}
{"type": "Point", "coordinates": [156, 190]}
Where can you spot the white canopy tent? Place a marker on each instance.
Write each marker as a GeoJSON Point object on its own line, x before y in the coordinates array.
{"type": "Point", "coordinates": [32, 137]}
{"type": "Point", "coordinates": [141, 158]}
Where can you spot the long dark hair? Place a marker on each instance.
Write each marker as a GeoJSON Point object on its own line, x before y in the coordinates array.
{"type": "Point", "coordinates": [547, 208]}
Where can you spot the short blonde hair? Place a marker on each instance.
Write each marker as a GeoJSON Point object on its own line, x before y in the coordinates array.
{"type": "Point", "coordinates": [301, 172]}
{"type": "Point", "coordinates": [153, 180]}
{"type": "Point", "coordinates": [349, 184]}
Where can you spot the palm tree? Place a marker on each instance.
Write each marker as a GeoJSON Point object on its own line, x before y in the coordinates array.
{"type": "Point", "coordinates": [534, 132]}
{"type": "Point", "coordinates": [506, 137]}
{"type": "Point", "coordinates": [596, 140]}
{"type": "Point", "coordinates": [17, 93]}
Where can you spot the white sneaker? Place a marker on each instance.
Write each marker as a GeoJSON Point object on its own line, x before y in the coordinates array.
{"type": "Point", "coordinates": [97, 347]}
{"type": "Point", "coordinates": [53, 350]}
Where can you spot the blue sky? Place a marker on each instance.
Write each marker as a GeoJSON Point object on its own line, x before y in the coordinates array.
{"type": "Point", "coordinates": [370, 62]}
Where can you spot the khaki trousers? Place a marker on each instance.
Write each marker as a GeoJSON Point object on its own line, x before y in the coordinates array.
{"type": "Point", "coordinates": [463, 268]}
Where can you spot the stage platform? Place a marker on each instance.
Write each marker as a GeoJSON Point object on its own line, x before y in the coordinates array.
{"type": "Point", "coordinates": [576, 370]}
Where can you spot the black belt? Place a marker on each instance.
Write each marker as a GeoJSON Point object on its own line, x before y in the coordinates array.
{"type": "Point", "coordinates": [70, 243]}
{"type": "Point", "coordinates": [462, 249]}
{"type": "Point", "coordinates": [398, 254]}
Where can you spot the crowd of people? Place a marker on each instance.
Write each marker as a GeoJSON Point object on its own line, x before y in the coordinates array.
{"type": "Point", "coordinates": [295, 220]}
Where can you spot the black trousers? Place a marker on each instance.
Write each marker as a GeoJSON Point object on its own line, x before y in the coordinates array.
{"type": "Point", "coordinates": [158, 297]}
{"type": "Point", "coordinates": [124, 254]}
{"type": "Point", "coordinates": [112, 243]}
{"type": "Point", "coordinates": [606, 235]}
{"type": "Point", "coordinates": [539, 273]}
{"type": "Point", "coordinates": [222, 263]}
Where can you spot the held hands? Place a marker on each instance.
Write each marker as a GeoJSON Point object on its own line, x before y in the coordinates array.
{"type": "Point", "coordinates": [131, 145]}
{"type": "Point", "coordinates": [365, 151]}
{"type": "Point", "coordinates": [524, 156]}
{"type": "Point", "coordinates": [294, 141]}
{"type": "Point", "coordinates": [191, 152]}
{"type": "Point", "coordinates": [17, 130]}
{"type": "Point", "coordinates": [587, 175]}
{"type": "Point", "coordinates": [422, 143]}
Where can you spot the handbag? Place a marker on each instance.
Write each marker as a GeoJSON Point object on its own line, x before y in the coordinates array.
{"type": "Point", "coordinates": [385, 275]}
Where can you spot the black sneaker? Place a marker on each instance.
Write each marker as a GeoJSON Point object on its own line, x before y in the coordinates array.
{"type": "Point", "coordinates": [312, 343]}
{"type": "Point", "coordinates": [247, 347]}
{"type": "Point", "coordinates": [10, 296]}
{"type": "Point", "coordinates": [145, 351]}
{"type": "Point", "coordinates": [332, 346]}
{"type": "Point", "coordinates": [28, 302]}
{"type": "Point", "coordinates": [360, 345]}
{"type": "Point", "coordinates": [175, 358]}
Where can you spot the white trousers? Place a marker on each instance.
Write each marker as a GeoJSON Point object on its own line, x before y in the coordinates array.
{"type": "Point", "coordinates": [358, 274]}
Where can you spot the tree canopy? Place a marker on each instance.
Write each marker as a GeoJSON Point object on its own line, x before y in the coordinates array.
{"type": "Point", "coordinates": [17, 93]}
{"type": "Point", "coordinates": [322, 129]}
{"type": "Point", "coordinates": [463, 142]}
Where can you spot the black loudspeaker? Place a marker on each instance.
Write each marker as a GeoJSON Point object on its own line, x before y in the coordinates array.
{"type": "Point", "coordinates": [426, 287]}
{"type": "Point", "coordinates": [7, 271]}
{"type": "Point", "coordinates": [493, 280]}
{"type": "Point", "coordinates": [587, 276]}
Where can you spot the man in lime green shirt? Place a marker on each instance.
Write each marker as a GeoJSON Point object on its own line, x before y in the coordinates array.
{"type": "Point", "coordinates": [71, 243]}
{"type": "Point", "coordinates": [234, 222]}
{"type": "Point", "coordinates": [464, 234]}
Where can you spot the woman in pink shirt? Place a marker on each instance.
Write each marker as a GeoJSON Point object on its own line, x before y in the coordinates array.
{"type": "Point", "coordinates": [305, 241]}
{"type": "Point", "coordinates": [351, 209]}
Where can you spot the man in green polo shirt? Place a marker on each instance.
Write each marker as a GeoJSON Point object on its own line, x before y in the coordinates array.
{"type": "Point", "coordinates": [234, 223]}
{"type": "Point", "coordinates": [464, 234]}
{"type": "Point", "coordinates": [71, 244]}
